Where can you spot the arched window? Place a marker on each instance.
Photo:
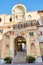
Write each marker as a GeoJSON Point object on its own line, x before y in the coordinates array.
{"type": "Point", "coordinates": [29, 16]}
{"type": "Point", "coordinates": [33, 50]}
{"type": "Point", "coordinates": [0, 19]}
{"type": "Point", "coordinates": [10, 19]}
{"type": "Point", "coordinates": [38, 23]}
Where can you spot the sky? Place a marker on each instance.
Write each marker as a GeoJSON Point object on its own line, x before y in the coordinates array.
{"type": "Point", "coordinates": [31, 5]}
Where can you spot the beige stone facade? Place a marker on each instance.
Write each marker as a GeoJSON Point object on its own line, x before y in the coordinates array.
{"type": "Point", "coordinates": [21, 24]}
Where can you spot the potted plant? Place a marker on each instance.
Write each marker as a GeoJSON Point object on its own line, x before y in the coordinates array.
{"type": "Point", "coordinates": [8, 60]}
{"type": "Point", "coordinates": [30, 59]}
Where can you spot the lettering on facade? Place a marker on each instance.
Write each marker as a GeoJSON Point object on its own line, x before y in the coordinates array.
{"type": "Point", "coordinates": [24, 25]}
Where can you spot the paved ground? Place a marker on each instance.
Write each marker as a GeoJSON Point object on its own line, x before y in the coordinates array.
{"type": "Point", "coordinates": [24, 64]}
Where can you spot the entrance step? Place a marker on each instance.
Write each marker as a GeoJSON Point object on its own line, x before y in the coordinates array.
{"type": "Point", "coordinates": [20, 58]}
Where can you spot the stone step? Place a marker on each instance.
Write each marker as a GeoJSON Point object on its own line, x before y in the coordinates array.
{"type": "Point", "coordinates": [20, 58]}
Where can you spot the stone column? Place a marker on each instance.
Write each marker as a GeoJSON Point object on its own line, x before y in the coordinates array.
{"type": "Point", "coordinates": [3, 47]}
{"type": "Point", "coordinates": [38, 53]}
{"type": "Point", "coordinates": [11, 45]}
{"type": "Point", "coordinates": [37, 48]}
{"type": "Point", "coordinates": [28, 44]}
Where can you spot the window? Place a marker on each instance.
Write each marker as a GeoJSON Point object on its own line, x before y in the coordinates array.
{"type": "Point", "coordinates": [9, 27]}
{"type": "Point", "coordinates": [10, 19]}
{"type": "Point", "coordinates": [0, 19]}
{"type": "Point", "coordinates": [31, 24]}
{"type": "Point", "coordinates": [16, 16]}
{"type": "Point", "coordinates": [31, 33]}
{"type": "Point", "coordinates": [40, 32]}
{"type": "Point", "coordinates": [19, 26]}
{"type": "Point", "coordinates": [14, 26]}
{"type": "Point", "coordinates": [29, 16]}
{"type": "Point", "coordinates": [7, 46]}
{"type": "Point", "coordinates": [38, 23]}
{"type": "Point", "coordinates": [24, 25]}
{"type": "Point", "coordinates": [1, 30]}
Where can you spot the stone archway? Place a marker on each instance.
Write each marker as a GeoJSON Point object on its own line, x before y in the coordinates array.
{"type": "Point", "coordinates": [19, 44]}
{"type": "Point", "coordinates": [19, 50]}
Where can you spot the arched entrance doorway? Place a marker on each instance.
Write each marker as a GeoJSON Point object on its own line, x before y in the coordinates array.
{"type": "Point", "coordinates": [19, 44]}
